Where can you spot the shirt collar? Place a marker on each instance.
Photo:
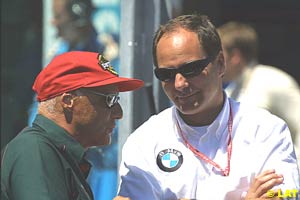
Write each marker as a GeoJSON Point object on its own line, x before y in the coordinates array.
{"type": "Point", "coordinates": [59, 136]}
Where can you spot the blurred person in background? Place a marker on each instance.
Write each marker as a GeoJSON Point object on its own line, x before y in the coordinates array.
{"type": "Point", "coordinates": [75, 31]}
{"type": "Point", "coordinates": [260, 85]}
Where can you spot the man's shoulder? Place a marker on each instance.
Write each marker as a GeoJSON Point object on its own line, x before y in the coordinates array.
{"type": "Point", "coordinates": [28, 143]}
{"type": "Point", "coordinates": [259, 124]}
{"type": "Point", "coordinates": [253, 116]}
{"type": "Point", "coordinates": [272, 74]}
{"type": "Point", "coordinates": [29, 136]}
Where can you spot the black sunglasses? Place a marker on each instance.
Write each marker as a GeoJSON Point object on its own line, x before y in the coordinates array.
{"type": "Point", "coordinates": [190, 69]}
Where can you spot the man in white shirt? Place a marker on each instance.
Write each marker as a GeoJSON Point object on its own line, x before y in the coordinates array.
{"type": "Point", "coordinates": [247, 81]}
{"type": "Point", "coordinates": [206, 146]}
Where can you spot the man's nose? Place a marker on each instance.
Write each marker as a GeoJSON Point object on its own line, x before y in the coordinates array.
{"type": "Point", "coordinates": [180, 82]}
{"type": "Point", "coordinates": [117, 112]}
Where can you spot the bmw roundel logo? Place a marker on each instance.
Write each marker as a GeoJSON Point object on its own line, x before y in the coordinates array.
{"type": "Point", "coordinates": [169, 160]}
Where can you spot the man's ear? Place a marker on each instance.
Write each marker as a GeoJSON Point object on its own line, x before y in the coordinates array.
{"type": "Point", "coordinates": [221, 63]}
{"type": "Point", "coordinates": [236, 56]}
{"type": "Point", "coordinates": [67, 101]}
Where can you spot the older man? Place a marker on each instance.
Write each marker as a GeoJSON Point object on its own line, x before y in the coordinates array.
{"type": "Point", "coordinates": [78, 95]}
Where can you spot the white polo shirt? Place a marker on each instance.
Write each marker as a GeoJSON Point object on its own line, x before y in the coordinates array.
{"type": "Point", "coordinates": [156, 163]}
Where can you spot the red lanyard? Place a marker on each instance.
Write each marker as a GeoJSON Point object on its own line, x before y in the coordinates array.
{"type": "Point", "coordinates": [204, 157]}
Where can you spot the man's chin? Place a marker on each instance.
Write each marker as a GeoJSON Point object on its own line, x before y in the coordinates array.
{"type": "Point", "coordinates": [106, 141]}
{"type": "Point", "coordinates": [102, 142]}
{"type": "Point", "coordinates": [187, 109]}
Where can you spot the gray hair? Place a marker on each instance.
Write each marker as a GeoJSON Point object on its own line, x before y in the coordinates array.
{"type": "Point", "coordinates": [48, 105]}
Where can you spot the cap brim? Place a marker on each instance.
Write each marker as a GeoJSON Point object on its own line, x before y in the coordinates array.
{"type": "Point", "coordinates": [123, 84]}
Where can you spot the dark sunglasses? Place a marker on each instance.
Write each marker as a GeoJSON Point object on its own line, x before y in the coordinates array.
{"type": "Point", "coordinates": [111, 99]}
{"type": "Point", "coordinates": [190, 69]}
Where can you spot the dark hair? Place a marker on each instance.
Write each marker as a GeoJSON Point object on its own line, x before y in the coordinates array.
{"type": "Point", "coordinates": [200, 24]}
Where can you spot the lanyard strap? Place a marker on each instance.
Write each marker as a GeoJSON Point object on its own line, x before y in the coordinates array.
{"type": "Point", "coordinates": [200, 155]}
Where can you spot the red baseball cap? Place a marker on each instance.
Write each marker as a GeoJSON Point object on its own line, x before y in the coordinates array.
{"type": "Point", "coordinates": [77, 69]}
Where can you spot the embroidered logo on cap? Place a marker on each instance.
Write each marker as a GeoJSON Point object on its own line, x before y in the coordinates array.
{"type": "Point", "coordinates": [105, 64]}
{"type": "Point", "coordinates": [169, 160]}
